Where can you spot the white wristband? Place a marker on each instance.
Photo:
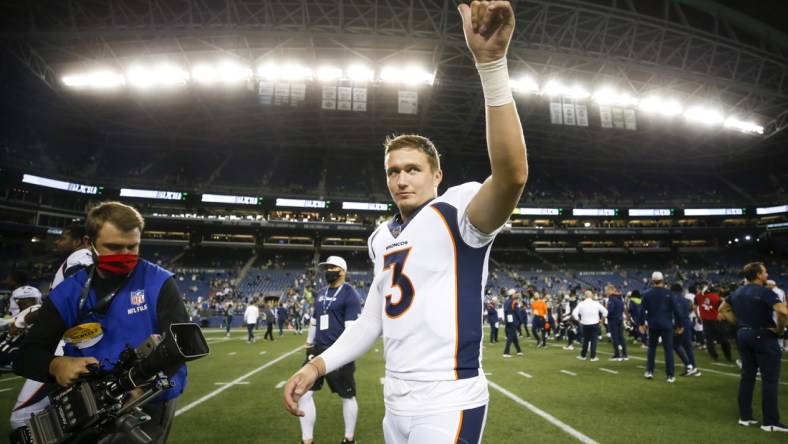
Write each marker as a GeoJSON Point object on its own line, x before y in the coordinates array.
{"type": "Point", "coordinates": [495, 82]}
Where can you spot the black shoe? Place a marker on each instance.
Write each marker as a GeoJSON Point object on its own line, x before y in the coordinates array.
{"type": "Point", "coordinates": [345, 441]}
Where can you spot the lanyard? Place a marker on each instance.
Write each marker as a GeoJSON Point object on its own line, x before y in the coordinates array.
{"type": "Point", "coordinates": [101, 303]}
{"type": "Point", "coordinates": [325, 298]}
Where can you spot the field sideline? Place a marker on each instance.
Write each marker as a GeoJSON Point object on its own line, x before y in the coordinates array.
{"type": "Point", "coordinates": [548, 396]}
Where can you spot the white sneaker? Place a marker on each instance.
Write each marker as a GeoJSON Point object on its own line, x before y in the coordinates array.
{"type": "Point", "coordinates": [594, 359]}
{"type": "Point", "coordinates": [582, 358]}
{"type": "Point", "coordinates": [775, 428]}
{"type": "Point", "coordinates": [648, 375]}
{"type": "Point", "coordinates": [519, 353]}
{"type": "Point", "coordinates": [507, 356]}
{"type": "Point", "coordinates": [747, 422]}
{"type": "Point", "coordinates": [671, 380]}
{"type": "Point", "coordinates": [569, 347]}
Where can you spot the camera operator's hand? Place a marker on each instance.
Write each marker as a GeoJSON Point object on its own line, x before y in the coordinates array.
{"type": "Point", "coordinates": [67, 370]}
{"type": "Point", "coordinates": [300, 383]}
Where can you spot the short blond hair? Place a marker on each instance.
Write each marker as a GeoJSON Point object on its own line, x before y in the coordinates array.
{"type": "Point", "coordinates": [416, 142]}
{"type": "Point", "coordinates": [125, 217]}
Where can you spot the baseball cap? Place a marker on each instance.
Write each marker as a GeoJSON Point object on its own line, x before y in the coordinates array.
{"type": "Point", "coordinates": [510, 292]}
{"type": "Point", "coordinates": [26, 291]}
{"type": "Point", "coordinates": [333, 260]}
{"type": "Point", "coordinates": [657, 276]}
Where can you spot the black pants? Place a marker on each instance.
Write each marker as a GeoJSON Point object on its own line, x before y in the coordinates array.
{"type": "Point", "coordinates": [269, 331]}
{"type": "Point", "coordinates": [717, 331]}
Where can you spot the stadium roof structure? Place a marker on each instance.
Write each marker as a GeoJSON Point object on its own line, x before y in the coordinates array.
{"type": "Point", "coordinates": [700, 51]}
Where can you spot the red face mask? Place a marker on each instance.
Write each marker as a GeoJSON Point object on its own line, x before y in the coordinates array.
{"type": "Point", "coordinates": [117, 264]}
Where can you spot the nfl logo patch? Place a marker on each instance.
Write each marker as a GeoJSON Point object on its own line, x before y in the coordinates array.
{"type": "Point", "coordinates": [137, 297]}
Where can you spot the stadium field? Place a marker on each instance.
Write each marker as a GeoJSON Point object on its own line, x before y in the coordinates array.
{"type": "Point", "coordinates": [545, 396]}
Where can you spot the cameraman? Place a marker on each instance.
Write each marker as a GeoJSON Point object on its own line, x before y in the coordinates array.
{"type": "Point", "coordinates": [128, 297]}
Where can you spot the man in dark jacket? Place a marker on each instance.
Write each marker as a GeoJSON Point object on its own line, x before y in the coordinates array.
{"type": "Point", "coordinates": [659, 307]}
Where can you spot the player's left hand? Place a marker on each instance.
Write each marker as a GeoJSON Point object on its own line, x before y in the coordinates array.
{"type": "Point", "coordinates": [488, 28]}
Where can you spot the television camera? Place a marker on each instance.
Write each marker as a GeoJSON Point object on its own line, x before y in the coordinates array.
{"type": "Point", "coordinates": [95, 409]}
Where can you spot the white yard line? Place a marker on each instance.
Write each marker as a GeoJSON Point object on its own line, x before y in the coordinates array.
{"type": "Point", "coordinates": [193, 404]}
{"type": "Point", "coordinates": [609, 371]}
{"type": "Point", "coordinates": [568, 372]}
{"type": "Point", "coordinates": [525, 375]}
{"type": "Point", "coordinates": [550, 418]}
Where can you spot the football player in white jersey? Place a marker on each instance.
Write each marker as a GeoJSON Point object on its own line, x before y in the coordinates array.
{"type": "Point", "coordinates": [33, 397]}
{"type": "Point", "coordinates": [431, 265]}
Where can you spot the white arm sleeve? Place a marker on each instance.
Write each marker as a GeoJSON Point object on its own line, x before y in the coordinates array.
{"type": "Point", "coordinates": [359, 336]}
{"type": "Point", "coordinates": [310, 334]}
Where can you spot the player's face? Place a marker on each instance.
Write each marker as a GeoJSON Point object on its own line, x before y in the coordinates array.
{"type": "Point", "coordinates": [411, 181]}
{"type": "Point", "coordinates": [65, 244]}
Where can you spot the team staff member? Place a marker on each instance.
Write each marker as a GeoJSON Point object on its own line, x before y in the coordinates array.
{"type": "Point", "coordinates": [128, 297]}
{"type": "Point", "coordinates": [615, 323]}
{"type": "Point", "coordinates": [492, 319]}
{"type": "Point", "coordinates": [660, 308]}
{"type": "Point", "coordinates": [539, 311]}
{"type": "Point", "coordinates": [751, 307]}
{"type": "Point", "coordinates": [512, 319]}
{"type": "Point", "coordinates": [431, 265]}
{"type": "Point", "coordinates": [70, 248]}
{"type": "Point", "coordinates": [682, 342]}
{"type": "Point", "coordinates": [337, 306]}
{"type": "Point", "coordinates": [590, 314]}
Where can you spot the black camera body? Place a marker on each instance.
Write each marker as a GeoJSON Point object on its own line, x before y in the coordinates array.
{"type": "Point", "coordinates": [95, 407]}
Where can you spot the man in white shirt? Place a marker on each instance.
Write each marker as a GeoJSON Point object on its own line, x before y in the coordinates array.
{"type": "Point", "coordinates": [590, 313]}
{"type": "Point", "coordinates": [250, 318]}
{"type": "Point", "coordinates": [431, 265]}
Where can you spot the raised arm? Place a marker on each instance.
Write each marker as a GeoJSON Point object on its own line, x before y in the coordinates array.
{"type": "Point", "coordinates": [488, 27]}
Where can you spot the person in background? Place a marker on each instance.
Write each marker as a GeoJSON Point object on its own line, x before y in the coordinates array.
{"type": "Point", "coordinates": [615, 323]}
{"type": "Point", "coordinates": [251, 314]}
{"type": "Point", "coordinates": [492, 319]}
{"type": "Point", "coordinates": [682, 342]}
{"type": "Point", "coordinates": [660, 309]}
{"type": "Point", "coordinates": [752, 307]}
{"type": "Point", "coordinates": [511, 320]}
{"type": "Point", "coordinates": [590, 314]}
{"type": "Point", "coordinates": [336, 308]}
{"type": "Point", "coordinates": [70, 248]}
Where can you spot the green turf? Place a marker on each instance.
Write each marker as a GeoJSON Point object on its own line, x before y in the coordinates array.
{"type": "Point", "coordinates": [606, 407]}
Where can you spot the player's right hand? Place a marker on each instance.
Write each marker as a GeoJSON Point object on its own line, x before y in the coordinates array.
{"type": "Point", "coordinates": [67, 370]}
{"type": "Point", "coordinates": [299, 384]}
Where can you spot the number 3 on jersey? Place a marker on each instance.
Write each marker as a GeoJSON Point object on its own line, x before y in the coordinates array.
{"type": "Point", "coordinates": [396, 261]}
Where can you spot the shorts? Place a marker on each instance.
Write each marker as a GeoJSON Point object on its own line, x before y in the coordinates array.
{"type": "Point", "coordinates": [341, 381]}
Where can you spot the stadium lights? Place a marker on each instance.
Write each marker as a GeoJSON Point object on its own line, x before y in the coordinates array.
{"type": "Point", "coordinates": [164, 75]}
{"type": "Point", "coordinates": [703, 115]}
{"type": "Point", "coordinates": [525, 84]}
{"type": "Point", "coordinates": [666, 107]}
{"type": "Point", "coordinates": [226, 72]}
{"type": "Point", "coordinates": [411, 75]}
{"type": "Point", "coordinates": [360, 73]}
{"type": "Point", "coordinates": [745, 127]}
{"type": "Point", "coordinates": [288, 72]}
{"type": "Point", "coordinates": [103, 79]}
{"type": "Point", "coordinates": [608, 97]}
{"type": "Point", "coordinates": [329, 74]}
{"type": "Point", "coordinates": [555, 88]}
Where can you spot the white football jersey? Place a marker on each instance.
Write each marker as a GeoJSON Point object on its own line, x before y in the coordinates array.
{"type": "Point", "coordinates": [436, 264]}
{"type": "Point", "coordinates": [76, 261]}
